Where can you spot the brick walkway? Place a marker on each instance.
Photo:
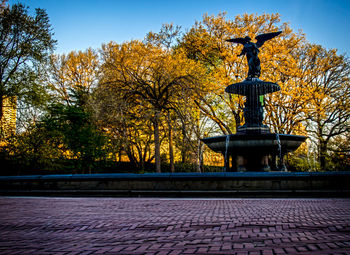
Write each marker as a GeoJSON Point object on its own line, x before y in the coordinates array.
{"type": "Point", "coordinates": [166, 226]}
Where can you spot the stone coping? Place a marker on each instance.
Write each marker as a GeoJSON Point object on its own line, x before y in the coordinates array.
{"type": "Point", "coordinates": [215, 175]}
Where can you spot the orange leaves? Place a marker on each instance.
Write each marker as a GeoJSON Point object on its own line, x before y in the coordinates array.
{"type": "Point", "coordinates": [205, 43]}
{"type": "Point", "coordinates": [76, 72]}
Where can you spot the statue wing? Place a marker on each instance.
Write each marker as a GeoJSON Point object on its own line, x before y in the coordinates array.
{"type": "Point", "coordinates": [237, 40]}
{"type": "Point", "coordinates": [264, 37]}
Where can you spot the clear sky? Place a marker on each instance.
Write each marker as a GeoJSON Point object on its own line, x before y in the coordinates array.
{"type": "Point", "coordinates": [80, 24]}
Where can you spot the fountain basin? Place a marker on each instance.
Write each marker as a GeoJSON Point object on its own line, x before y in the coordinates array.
{"type": "Point", "coordinates": [252, 86]}
{"type": "Point", "coordinates": [255, 143]}
{"type": "Point", "coordinates": [250, 152]}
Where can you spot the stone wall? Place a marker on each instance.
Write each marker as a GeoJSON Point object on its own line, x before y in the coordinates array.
{"type": "Point", "coordinates": [182, 184]}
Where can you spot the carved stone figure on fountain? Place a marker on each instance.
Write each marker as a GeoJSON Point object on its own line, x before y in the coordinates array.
{"type": "Point", "coordinates": [251, 50]}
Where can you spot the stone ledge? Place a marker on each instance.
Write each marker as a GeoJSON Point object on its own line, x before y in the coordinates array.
{"type": "Point", "coordinates": [183, 193]}
{"type": "Point", "coordinates": [177, 175]}
{"type": "Point", "coordinates": [225, 184]}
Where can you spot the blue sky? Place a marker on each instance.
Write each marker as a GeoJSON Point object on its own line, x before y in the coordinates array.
{"type": "Point", "coordinates": [80, 24]}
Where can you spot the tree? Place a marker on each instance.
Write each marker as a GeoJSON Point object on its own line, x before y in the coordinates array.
{"type": "Point", "coordinates": [126, 123]}
{"type": "Point", "coordinates": [72, 79]}
{"type": "Point", "coordinates": [74, 76]}
{"type": "Point", "coordinates": [34, 149]}
{"type": "Point", "coordinates": [328, 107]}
{"type": "Point", "coordinates": [339, 153]}
{"type": "Point", "coordinates": [25, 43]}
{"type": "Point", "coordinates": [167, 38]}
{"type": "Point", "coordinates": [78, 135]}
{"type": "Point", "coordinates": [148, 75]}
{"type": "Point", "coordinates": [194, 125]}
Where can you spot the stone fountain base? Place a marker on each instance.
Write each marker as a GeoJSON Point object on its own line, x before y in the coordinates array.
{"type": "Point", "coordinates": [250, 152]}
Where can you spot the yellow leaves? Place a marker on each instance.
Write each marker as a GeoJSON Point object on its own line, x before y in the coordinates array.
{"type": "Point", "coordinates": [76, 71]}
{"type": "Point", "coordinates": [166, 38]}
{"type": "Point", "coordinates": [325, 73]}
{"type": "Point", "coordinates": [148, 70]}
{"type": "Point", "coordinates": [253, 24]}
{"type": "Point", "coordinates": [82, 68]}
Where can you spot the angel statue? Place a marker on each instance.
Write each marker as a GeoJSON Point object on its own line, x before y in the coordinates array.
{"type": "Point", "coordinates": [251, 50]}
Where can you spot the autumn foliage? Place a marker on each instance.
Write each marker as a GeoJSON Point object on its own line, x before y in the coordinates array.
{"type": "Point", "coordinates": [152, 101]}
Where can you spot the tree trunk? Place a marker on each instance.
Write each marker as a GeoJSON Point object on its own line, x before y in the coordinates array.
{"type": "Point", "coordinates": [1, 106]}
{"type": "Point", "coordinates": [120, 156]}
{"type": "Point", "coordinates": [141, 158]}
{"type": "Point", "coordinates": [183, 149]}
{"type": "Point", "coordinates": [199, 156]}
{"type": "Point", "coordinates": [130, 155]}
{"type": "Point", "coordinates": [171, 147]}
{"type": "Point", "coordinates": [323, 154]}
{"type": "Point", "coordinates": [2, 131]}
{"type": "Point", "coordinates": [157, 141]}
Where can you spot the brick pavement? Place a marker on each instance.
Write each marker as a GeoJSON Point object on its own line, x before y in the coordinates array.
{"type": "Point", "coordinates": [174, 226]}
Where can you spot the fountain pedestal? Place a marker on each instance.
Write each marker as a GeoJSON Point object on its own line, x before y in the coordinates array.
{"type": "Point", "coordinates": [253, 89]}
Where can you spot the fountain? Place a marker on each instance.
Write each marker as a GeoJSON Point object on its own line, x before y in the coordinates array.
{"type": "Point", "coordinates": [254, 147]}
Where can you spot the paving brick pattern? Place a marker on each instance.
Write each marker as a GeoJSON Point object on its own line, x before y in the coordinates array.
{"type": "Point", "coordinates": [174, 226]}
